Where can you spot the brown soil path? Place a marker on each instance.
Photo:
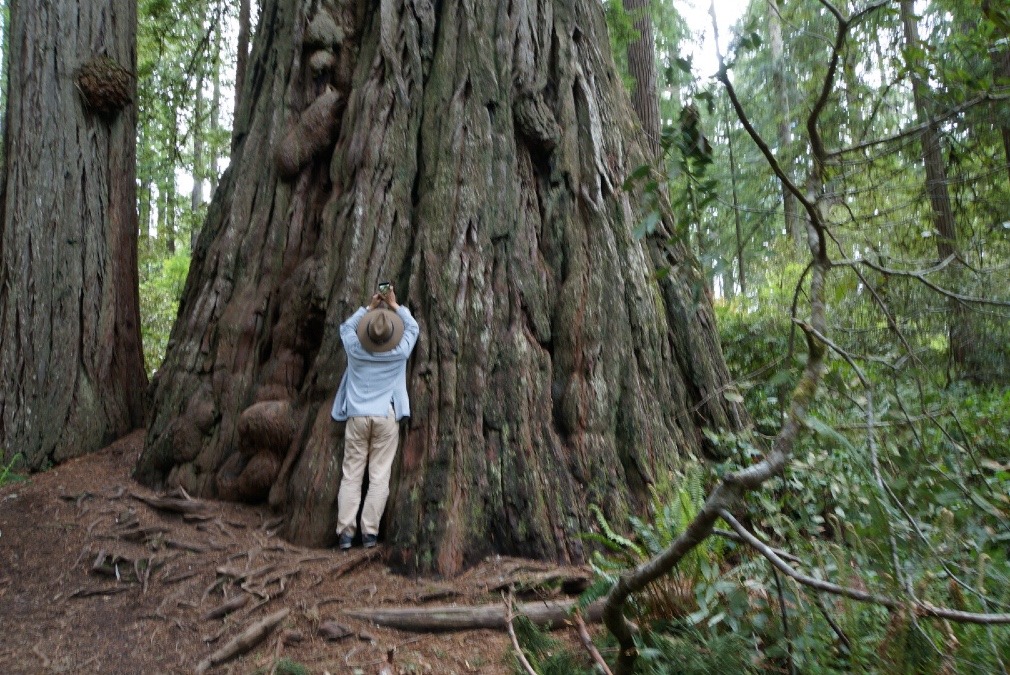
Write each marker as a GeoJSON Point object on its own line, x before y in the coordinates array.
{"type": "Point", "coordinates": [98, 576]}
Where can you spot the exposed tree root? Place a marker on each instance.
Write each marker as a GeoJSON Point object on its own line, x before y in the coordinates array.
{"type": "Point", "coordinates": [244, 641]}
{"type": "Point", "coordinates": [172, 504]}
{"type": "Point", "coordinates": [226, 608]}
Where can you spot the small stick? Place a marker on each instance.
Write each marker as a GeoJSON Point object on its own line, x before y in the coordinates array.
{"type": "Point", "coordinates": [38, 653]}
{"type": "Point", "coordinates": [243, 642]}
{"type": "Point", "coordinates": [587, 642]}
{"type": "Point", "coordinates": [512, 635]}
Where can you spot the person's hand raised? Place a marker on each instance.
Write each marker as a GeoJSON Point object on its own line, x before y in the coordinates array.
{"type": "Point", "coordinates": [390, 298]}
{"type": "Point", "coordinates": [376, 301]}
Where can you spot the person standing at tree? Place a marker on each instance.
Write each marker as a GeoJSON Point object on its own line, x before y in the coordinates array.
{"type": "Point", "coordinates": [372, 399]}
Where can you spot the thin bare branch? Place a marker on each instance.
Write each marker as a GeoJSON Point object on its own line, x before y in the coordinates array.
{"type": "Point", "coordinates": [913, 131]}
{"type": "Point", "coordinates": [510, 614]}
{"type": "Point", "coordinates": [924, 609]}
{"type": "Point", "coordinates": [922, 277]}
{"type": "Point", "coordinates": [587, 642]}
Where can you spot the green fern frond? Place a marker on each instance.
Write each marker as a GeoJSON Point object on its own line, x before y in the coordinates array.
{"type": "Point", "coordinates": [598, 589]}
{"type": "Point", "coordinates": [613, 536]}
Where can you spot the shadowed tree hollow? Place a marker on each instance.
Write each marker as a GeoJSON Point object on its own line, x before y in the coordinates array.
{"type": "Point", "coordinates": [473, 153]}
{"type": "Point", "coordinates": [72, 375]}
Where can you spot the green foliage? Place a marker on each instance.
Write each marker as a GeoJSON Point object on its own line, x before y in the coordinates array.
{"type": "Point", "coordinates": [545, 654]}
{"type": "Point", "coordinates": [284, 666]}
{"type": "Point", "coordinates": [894, 466]}
{"type": "Point", "coordinates": [161, 287]}
{"type": "Point", "coordinates": [8, 472]}
{"type": "Point", "coordinates": [621, 29]}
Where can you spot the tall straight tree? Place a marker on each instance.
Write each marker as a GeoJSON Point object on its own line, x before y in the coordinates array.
{"type": "Point", "coordinates": [936, 175]}
{"type": "Point", "coordinates": [71, 367]}
{"type": "Point", "coordinates": [473, 154]}
{"type": "Point", "coordinates": [794, 223]}
{"type": "Point", "coordinates": [999, 54]}
{"type": "Point", "coordinates": [642, 67]}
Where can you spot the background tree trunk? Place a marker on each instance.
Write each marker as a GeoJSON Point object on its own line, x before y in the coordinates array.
{"type": "Point", "coordinates": [72, 373]}
{"type": "Point", "coordinates": [642, 66]}
{"type": "Point", "coordinates": [936, 184]}
{"type": "Point", "coordinates": [794, 223]}
{"type": "Point", "coordinates": [474, 157]}
{"type": "Point", "coordinates": [999, 56]}
{"type": "Point", "coordinates": [242, 51]}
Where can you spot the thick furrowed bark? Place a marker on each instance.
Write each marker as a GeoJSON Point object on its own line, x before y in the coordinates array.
{"type": "Point", "coordinates": [476, 164]}
{"type": "Point", "coordinates": [72, 374]}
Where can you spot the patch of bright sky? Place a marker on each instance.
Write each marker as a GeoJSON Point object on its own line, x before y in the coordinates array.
{"type": "Point", "coordinates": [696, 14]}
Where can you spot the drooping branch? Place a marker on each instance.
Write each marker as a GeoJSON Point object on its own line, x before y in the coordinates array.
{"type": "Point", "coordinates": [921, 608]}
{"type": "Point", "coordinates": [922, 276]}
{"type": "Point", "coordinates": [918, 129]}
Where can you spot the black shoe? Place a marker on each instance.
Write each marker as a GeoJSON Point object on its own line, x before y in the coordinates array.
{"type": "Point", "coordinates": [369, 540]}
{"type": "Point", "coordinates": [344, 542]}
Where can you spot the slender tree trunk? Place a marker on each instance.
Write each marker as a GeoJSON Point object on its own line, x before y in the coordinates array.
{"type": "Point", "coordinates": [144, 211]}
{"type": "Point", "coordinates": [216, 150]}
{"type": "Point", "coordinates": [199, 125]}
{"type": "Point", "coordinates": [740, 262]}
{"type": "Point", "coordinates": [473, 153]}
{"type": "Point", "coordinates": [167, 229]}
{"type": "Point", "coordinates": [999, 54]}
{"type": "Point", "coordinates": [794, 223]}
{"type": "Point", "coordinates": [642, 66]}
{"type": "Point", "coordinates": [72, 373]}
{"type": "Point", "coordinates": [936, 183]}
{"type": "Point", "coordinates": [242, 52]}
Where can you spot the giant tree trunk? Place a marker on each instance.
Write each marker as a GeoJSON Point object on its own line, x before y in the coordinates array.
{"type": "Point", "coordinates": [473, 153]}
{"type": "Point", "coordinates": [71, 366]}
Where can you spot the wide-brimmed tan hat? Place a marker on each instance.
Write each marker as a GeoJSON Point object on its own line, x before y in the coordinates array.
{"type": "Point", "coordinates": [380, 330]}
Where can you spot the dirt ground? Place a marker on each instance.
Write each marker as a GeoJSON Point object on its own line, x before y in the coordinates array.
{"type": "Point", "coordinates": [99, 576]}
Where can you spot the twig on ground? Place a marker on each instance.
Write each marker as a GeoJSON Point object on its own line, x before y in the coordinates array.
{"type": "Point", "coordinates": [38, 652]}
{"type": "Point", "coordinates": [88, 592]}
{"type": "Point", "coordinates": [512, 635]}
{"type": "Point", "coordinates": [587, 642]}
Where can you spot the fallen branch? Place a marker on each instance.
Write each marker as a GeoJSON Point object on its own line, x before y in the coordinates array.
{"type": "Point", "coordinates": [445, 618]}
{"type": "Point", "coordinates": [243, 642]}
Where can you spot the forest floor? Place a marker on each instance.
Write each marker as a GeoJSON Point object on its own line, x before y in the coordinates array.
{"type": "Point", "coordinates": [101, 575]}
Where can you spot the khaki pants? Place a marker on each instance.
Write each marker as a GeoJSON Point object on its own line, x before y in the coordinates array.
{"type": "Point", "coordinates": [368, 441]}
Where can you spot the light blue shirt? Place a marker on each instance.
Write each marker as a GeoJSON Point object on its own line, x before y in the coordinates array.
{"type": "Point", "coordinates": [374, 381]}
